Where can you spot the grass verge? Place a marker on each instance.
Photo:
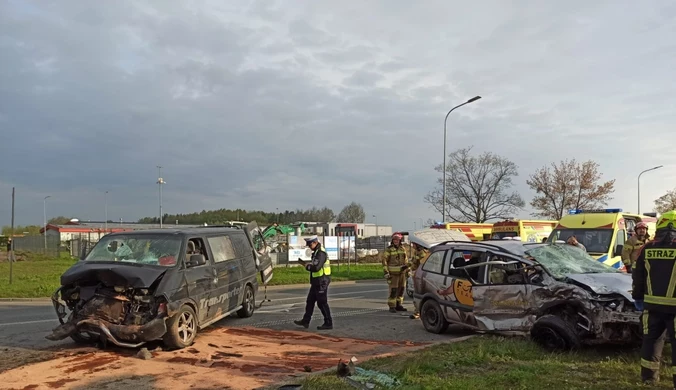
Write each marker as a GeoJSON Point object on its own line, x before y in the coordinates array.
{"type": "Point", "coordinates": [507, 363]}
{"type": "Point", "coordinates": [36, 277]}
{"type": "Point", "coordinates": [296, 275]}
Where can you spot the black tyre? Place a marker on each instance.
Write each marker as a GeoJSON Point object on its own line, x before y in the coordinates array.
{"type": "Point", "coordinates": [248, 303]}
{"type": "Point", "coordinates": [85, 338]}
{"type": "Point", "coordinates": [554, 333]}
{"type": "Point", "coordinates": [181, 328]}
{"type": "Point", "coordinates": [433, 318]}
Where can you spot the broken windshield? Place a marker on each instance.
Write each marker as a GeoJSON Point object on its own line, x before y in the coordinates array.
{"type": "Point", "coordinates": [159, 250]}
{"type": "Point", "coordinates": [562, 259]}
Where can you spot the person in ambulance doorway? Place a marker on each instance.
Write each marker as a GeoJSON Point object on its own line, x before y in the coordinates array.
{"type": "Point", "coordinates": [418, 259]}
{"type": "Point", "coordinates": [634, 244]}
{"type": "Point", "coordinates": [395, 265]}
{"type": "Point", "coordinates": [653, 292]}
{"type": "Point", "coordinates": [320, 278]}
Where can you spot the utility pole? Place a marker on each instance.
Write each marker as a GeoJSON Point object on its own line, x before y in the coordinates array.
{"type": "Point", "coordinates": [11, 247]}
{"type": "Point", "coordinates": [106, 210]}
{"type": "Point", "coordinates": [638, 181]}
{"type": "Point", "coordinates": [44, 209]}
{"type": "Point", "coordinates": [443, 177]}
{"type": "Point", "coordinates": [374, 216]}
{"type": "Point", "coordinates": [160, 181]}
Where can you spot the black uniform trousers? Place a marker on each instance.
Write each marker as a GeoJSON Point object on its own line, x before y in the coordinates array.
{"type": "Point", "coordinates": [319, 290]}
{"type": "Point", "coordinates": [655, 324]}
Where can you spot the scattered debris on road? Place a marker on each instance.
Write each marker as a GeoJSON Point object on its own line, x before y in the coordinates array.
{"type": "Point", "coordinates": [247, 357]}
{"type": "Point", "coordinates": [144, 354]}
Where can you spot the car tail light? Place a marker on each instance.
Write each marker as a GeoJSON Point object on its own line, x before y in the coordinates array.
{"type": "Point", "coordinates": [162, 308]}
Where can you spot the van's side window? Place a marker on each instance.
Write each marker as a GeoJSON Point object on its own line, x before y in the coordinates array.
{"type": "Point", "coordinates": [241, 244]}
{"type": "Point", "coordinates": [222, 248]}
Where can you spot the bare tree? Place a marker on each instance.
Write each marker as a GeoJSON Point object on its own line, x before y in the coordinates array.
{"type": "Point", "coordinates": [477, 188]}
{"type": "Point", "coordinates": [666, 202]}
{"type": "Point", "coordinates": [352, 213]}
{"type": "Point", "coordinates": [568, 185]}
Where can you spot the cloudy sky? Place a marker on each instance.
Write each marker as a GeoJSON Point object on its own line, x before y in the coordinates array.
{"type": "Point", "coordinates": [271, 104]}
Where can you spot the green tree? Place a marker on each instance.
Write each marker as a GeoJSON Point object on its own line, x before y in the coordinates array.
{"type": "Point", "coordinates": [666, 202]}
{"type": "Point", "coordinates": [352, 213]}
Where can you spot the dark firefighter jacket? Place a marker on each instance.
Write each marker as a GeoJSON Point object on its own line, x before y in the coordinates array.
{"type": "Point", "coordinates": [654, 278]}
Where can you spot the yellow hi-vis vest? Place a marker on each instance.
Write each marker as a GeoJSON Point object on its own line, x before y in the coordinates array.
{"type": "Point", "coordinates": [326, 269]}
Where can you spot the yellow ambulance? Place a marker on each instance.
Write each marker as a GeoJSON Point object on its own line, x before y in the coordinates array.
{"type": "Point", "coordinates": [603, 232]}
{"type": "Point", "coordinates": [527, 230]}
{"type": "Point", "coordinates": [474, 231]}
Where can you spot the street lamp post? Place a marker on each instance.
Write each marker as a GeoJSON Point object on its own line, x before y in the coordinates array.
{"type": "Point", "coordinates": [422, 225]}
{"type": "Point", "coordinates": [44, 210]}
{"type": "Point", "coordinates": [376, 224]}
{"type": "Point", "coordinates": [106, 211]}
{"type": "Point", "coordinates": [160, 181]}
{"type": "Point", "coordinates": [443, 178]}
{"type": "Point", "coordinates": [639, 185]}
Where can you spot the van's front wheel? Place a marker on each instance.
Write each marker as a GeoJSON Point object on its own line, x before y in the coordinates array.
{"type": "Point", "coordinates": [181, 328]}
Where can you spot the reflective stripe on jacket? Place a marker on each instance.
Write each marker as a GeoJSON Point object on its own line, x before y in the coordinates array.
{"type": "Point", "coordinates": [654, 277]}
{"type": "Point", "coordinates": [394, 258]}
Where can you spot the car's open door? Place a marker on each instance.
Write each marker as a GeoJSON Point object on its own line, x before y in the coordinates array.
{"type": "Point", "coordinates": [261, 251]}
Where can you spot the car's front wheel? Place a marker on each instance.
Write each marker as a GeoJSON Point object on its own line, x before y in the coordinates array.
{"type": "Point", "coordinates": [433, 318]}
{"type": "Point", "coordinates": [181, 328]}
{"type": "Point", "coordinates": [554, 333]}
{"type": "Point", "coordinates": [84, 338]}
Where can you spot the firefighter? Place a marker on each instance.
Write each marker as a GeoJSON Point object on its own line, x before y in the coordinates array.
{"type": "Point", "coordinates": [395, 264]}
{"type": "Point", "coordinates": [633, 245]}
{"type": "Point", "coordinates": [418, 260]}
{"type": "Point", "coordinates": [653, 293]}
{"type": "Point", "coordinates": [320, 278]}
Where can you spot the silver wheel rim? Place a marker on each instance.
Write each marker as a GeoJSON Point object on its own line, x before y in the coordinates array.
{"type": "Point", "coordinates": [249, 300]}
{"type": "Point", "coordinates": [186, 327]}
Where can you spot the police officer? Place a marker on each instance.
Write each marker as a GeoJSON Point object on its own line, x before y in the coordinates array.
{"type": "Point", "coordinates": [634, 244]}
{"type": "Point", "coordinates": [654, 292]}
{"type": "Point", "coordinates": [395, 265]}
{"type": "Point", "coordinates": [419, 258]}
{"type": "Point", "coordinates": [320, 277]}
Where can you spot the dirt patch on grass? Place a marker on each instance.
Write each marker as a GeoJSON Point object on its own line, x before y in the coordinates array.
{"type": "Point", "coordinates": [235, 358]}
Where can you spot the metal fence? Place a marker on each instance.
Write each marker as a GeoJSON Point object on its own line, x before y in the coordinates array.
{"type": "Point", "coordinates": [80, 245]}
{"type": "Point", "coordinates": [37, 244]}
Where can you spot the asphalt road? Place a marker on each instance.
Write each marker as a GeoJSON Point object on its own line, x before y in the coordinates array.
{"type": "Point", "coordinates": [359, 311]}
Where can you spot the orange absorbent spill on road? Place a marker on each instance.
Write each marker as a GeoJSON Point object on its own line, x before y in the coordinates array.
{"type": "Point", "coordinates": [223, 358]}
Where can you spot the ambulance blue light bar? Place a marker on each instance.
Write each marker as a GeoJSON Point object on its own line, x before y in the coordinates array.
{"type": "Point", "coordinates": [593, 211]}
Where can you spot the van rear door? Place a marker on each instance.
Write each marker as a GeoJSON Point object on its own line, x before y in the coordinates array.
{"type": "Point", "coordinates": [260, 251]}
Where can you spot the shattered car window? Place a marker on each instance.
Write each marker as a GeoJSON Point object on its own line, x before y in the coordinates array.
{"type": "Point", "coordinates": [151, 250]}
{"type": "Point", "coordinates": [562, 259]}
{"type": "Point", "coordinates": [595, 240]}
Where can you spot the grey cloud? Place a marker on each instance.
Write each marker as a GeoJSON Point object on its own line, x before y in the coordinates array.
{"type": "Point", "coordinates": [244, 106]}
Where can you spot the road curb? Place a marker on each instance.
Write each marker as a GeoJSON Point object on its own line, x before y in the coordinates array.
{"type": "Point", "coordinates": [25, 299]}
{"type": "Point", "coordinates": [297, 380]}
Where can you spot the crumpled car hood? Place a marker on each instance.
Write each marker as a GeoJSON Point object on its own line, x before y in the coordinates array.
{"type": "Point", "coordinates": [605, 283]}
{"type": "Point", "coordinates": [123, 275]}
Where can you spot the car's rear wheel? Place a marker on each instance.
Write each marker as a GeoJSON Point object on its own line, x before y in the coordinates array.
{"type": "Point", "coordinates": [433, 318]}
{"type": "Point", "coordinates": [181, 328]}
{"type": "Point", "coordinates": [248, 304]}
{"type": "Point", "coordinates": [554, 333]}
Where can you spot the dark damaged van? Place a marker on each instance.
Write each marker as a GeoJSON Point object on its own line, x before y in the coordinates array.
{"type": "Point", "coordinates": [162, 284]}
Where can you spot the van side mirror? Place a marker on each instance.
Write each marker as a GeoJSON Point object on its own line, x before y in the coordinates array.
{"type": "Point", "coordinates": [618, 250]}
{"type": "Point", "coordinates": [196, 260]}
